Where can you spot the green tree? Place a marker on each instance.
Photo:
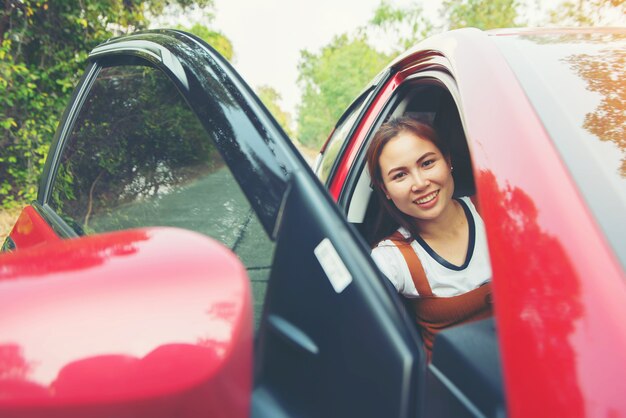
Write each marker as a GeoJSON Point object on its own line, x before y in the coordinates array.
{"type": "Point", "coordinates": [405, 25]}
{"type": "Point", "coordinates": [271, 99]}
{"type": "Point", "coordinates": [330, 80]}
{"type": "Point", "coordinates": [43, 48]}
{"type": "Point", "coordinates": [589, 12]}
{"type": "Point", "coordinates": [481, 14]}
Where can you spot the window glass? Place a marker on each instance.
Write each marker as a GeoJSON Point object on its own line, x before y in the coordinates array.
{"type": "Point", "coordinates": [138, 156]}
{"type": "Point", "coordinates": [338, 138]}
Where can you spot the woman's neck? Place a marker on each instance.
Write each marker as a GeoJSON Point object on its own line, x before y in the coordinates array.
{"type": "Point", "coordinates": [449, 224]}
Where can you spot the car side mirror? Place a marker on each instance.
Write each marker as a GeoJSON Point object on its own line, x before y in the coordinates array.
{"type": "Point", "coordinates": [148, 322]}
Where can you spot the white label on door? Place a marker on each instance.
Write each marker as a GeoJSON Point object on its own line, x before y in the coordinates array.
{"type": "Point", "coordinates": [337, 273]}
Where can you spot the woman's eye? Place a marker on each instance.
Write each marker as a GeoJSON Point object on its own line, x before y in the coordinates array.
{"type": "Point", "coordinates": [398, 176]}
{"type": "Point", "coordinates": [428, 163]}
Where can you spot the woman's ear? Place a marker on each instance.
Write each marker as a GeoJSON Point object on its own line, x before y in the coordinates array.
{"type": "Point", "coordinates": [384, 190]}
{"type": "Point", "coordinates": [381, 189]}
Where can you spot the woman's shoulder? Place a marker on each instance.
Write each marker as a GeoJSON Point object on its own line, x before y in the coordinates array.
{"type": "Point", "coordinates": [389, 242]}
{"type": "Point", "coordinates": [400, 234]}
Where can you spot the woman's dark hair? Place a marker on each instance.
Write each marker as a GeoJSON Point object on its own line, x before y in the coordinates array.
{"type": "Point", "coordinates": [384, 226]}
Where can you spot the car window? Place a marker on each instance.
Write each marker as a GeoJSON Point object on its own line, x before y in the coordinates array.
{"type": "Point", "coordinates": [428, 101]}
{"type": "Point", "coordinates": [339, 136]}
{"type": "Point", "coordinates": [138, 156]}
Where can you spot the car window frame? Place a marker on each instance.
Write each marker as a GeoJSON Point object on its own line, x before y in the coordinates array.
{"type": "Point", "coordinates": [356, 109]}
{"type": "Point", "coordinates": [262, 152]}
{"type": "Point", "coordinates": [430, 76]}
{"type": "Point", "coordinates": [66, 127]}
{"type": "Point", "coordinates": [50, 169]}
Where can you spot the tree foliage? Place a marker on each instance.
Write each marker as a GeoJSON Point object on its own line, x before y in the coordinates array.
{"type": "Point", "coordinates": [214, 38]}
{"type": "Point", "coordinates": [605, 74]}
{"type": "Point", "coordinates": [135, 139]}
{"type": "Point", "coordinates": [405, 25]}
{"type": "Point", "coordinates": [589, 12]}
{"type": "Point", "coordinates": [481, 14]}
{"type": "Point", "coordinates": [330, 80]}
{"type": "Point", "coordinates": [43, 48]}
{"type": "Point", "coordinates": [271, 99]}
{"type": "Point", "coordinates": [333, 77]}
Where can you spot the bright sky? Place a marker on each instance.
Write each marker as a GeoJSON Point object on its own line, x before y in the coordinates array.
{"type": "Point", "coordinates": [268, 35]}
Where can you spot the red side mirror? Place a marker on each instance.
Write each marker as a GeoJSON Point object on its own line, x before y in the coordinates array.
{"type": "Point", "coordinates": [146, 323]}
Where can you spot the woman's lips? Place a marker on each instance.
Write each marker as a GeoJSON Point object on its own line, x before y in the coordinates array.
{"type": "Point", "coordinates": [425, 200]}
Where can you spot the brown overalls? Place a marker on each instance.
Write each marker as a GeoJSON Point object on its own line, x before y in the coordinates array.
{"type": "Point", "coordinates": [434, 313]}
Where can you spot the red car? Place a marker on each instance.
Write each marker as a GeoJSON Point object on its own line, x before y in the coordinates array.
{"type": "Point", "coordinates": [107, 313]}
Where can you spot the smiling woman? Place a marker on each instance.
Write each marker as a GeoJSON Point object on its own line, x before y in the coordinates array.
{"type": "Point", "coordinates": [438, 256]}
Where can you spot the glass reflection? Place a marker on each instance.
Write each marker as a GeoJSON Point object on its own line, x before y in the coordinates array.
{"type": "Point", "coordinates": [605, 73]}
{"type": "Point", "coordinates": [134, 143]}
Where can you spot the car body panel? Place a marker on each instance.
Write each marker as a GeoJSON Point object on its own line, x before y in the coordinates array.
{"type": "Point", "coordinates": [185, 343]}
{"type": "Point", "coordinates": [582, 110]}
{"type": "Point", "coordinates": [557, 284]}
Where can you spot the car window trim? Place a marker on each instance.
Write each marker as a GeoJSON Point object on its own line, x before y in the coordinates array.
{"type": "Point", "coordinates": [370, 94]}
{"type": "Point", "coordinates": [58, 225]}
{"type": "Point", "coordinates": [360, 103]}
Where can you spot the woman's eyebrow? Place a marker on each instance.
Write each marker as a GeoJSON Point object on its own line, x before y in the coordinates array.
{"type": "Point", "coordinates": [396, 169]}
{"type": "Point", "coordinates": [428, 154]}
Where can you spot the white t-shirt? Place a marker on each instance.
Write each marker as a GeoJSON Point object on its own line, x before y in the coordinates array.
{"type": "Point", "coordinates": [445, 279]}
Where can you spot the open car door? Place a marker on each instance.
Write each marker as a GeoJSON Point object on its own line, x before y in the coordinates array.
{"type": "Point", "coordinates": [162, 131]}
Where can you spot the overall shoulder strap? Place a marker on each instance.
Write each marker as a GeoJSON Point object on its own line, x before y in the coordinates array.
{"type": "Point", "coordinates": [418, 275]}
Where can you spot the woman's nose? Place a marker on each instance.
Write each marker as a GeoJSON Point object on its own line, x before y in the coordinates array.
{"type": "Point", "coordinates": [419, 182]}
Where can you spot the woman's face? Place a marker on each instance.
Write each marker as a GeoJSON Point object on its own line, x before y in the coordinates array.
{"type": "Point", "coordinates": [416, 176]}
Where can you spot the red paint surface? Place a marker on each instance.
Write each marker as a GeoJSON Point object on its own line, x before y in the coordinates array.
{"type": "Point", "coordinates": [151, 322]}
{"type": "Point", "coordinates": [560, 294]}
{"type": "Point", "coordinates": [30, 230]}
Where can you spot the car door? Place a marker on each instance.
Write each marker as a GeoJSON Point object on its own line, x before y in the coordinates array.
{"type": "Point", "coordinates": [162, 131]}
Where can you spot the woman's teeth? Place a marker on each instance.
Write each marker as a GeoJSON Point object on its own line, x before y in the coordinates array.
{"type": "Point", "coordinates": [427, 198]}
